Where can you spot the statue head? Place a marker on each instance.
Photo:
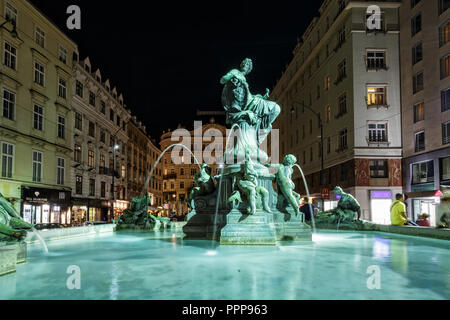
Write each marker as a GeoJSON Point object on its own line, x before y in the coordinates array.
{"type": "Point", "coordinates": [246, 66]}
{"type": "Point", "coordinates": [206, 168]}
{"type": "Point", "coordinates": [338, 190]}
{"type": "Point", "coordinates": [289, 160]}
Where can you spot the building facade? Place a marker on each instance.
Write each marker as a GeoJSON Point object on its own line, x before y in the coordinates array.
{"type": "Point", "coordinates": [178, 179]}
{"type": "Point", "coordinates": [99, 129]}
{"type": "Point", "coordinates": [35, 132]}
{"type": "Point", "coordinates": [344, 78]}
{"type": "Point", "coordinates": [142, 157]}
{"type": "Point", "coordinates": [425, 56]}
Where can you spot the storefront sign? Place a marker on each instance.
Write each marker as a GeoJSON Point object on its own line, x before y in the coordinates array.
{"type": "Point", "coordinates": [381, 194]}
{"type": "Point", "coordinates": [325, 193]}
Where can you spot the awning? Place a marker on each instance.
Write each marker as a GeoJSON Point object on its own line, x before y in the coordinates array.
{"type": "Point", "coordinates": [424, 194]}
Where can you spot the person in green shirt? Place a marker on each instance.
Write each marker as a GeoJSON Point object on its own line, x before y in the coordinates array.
{"type": "Point", "coordinates": [398, 211]}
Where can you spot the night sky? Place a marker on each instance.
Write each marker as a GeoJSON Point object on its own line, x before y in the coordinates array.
{"type": "Point", "coordinates": [167, 59]}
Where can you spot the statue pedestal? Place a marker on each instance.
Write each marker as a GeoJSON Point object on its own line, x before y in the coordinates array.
{"type": "Point", "coordinates": [291, 228]}
{"type": "Point", "coordinates": [255, 229]}
{"type": "Point", "coordinates": [8, 258]}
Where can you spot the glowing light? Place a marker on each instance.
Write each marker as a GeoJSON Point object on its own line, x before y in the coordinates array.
{"type": "Point", "coordinates": [211, 253]}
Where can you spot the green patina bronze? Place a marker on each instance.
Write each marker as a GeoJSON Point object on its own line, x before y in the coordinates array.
{"type": "Point", "coordinates": [12, 227]}
{"type": "Point", "coordinates": [344, 214]}
{"type": "Point", "coordinates": [253, 113]}
{"type": "Point", "coordinates": [285, 186]}
{"type": "Point", "coordinates": [205, 185]}
{"type": "Point", "coordinates": [246, 183]}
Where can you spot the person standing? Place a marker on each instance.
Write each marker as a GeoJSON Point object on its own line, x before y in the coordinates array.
{"type": "Point", "coordinates": [398, 211]}
{"type": "Point", "coordinates": [306, 209]}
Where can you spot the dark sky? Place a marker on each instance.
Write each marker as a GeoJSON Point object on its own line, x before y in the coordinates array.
{"type": "Point", "coordinates": [167, 57]}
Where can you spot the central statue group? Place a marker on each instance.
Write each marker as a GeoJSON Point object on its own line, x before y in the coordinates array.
{"type": "Point", "coordinates": [254, 115]}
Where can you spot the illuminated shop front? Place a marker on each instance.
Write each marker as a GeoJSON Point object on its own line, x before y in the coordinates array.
{"type": "Point", "coordinates": [89, 210]}
{"type": "Point", "coordinates": [41, 205]}
{"type": "Point", "coordinates": [119, 207]}
{"type": "Point", "coordinates": [380, 206]}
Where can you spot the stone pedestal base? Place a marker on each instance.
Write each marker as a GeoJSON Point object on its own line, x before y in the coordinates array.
{"type": "Point", "coordinates": [204, 225]}
{"type": "Point", "coordinates": [291, 228]}
{"type": "Point", "coordinates": [256, 229]}
{"type": "Point", "coordinates": [8, 259]}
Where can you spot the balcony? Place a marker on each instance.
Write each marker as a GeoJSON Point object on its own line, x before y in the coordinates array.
{"type": "Point", "coordinates": [170, 176]}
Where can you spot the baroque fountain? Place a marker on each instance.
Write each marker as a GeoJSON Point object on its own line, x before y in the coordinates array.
{"type": "Point", "coordinates": [251, 204]}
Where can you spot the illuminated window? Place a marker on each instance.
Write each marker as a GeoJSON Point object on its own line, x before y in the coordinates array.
{"type": "Point", "coordinates": [377, 132]}
{"type": "Point", "coordinates": [445, 67]}
{"type": "Point", "coordinates": [419, 114]}
{"type": "Point", "coordinates": [376, 96]}
{"type": "Point", "coordinates": [328, 113]}
{"type": "Point", "coordinates": [91, 158]}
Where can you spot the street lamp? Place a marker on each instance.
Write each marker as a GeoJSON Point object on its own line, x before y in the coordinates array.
{"type": "Point", "coordinates": [317, 114]}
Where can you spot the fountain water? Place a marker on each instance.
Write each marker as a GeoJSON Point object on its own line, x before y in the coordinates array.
{"type": "Point", "coordinates": [307, 193]}
{"type": "Point", "coordinates": [219, 189]}
{"type": "Point", "coordinates": [41, 240]}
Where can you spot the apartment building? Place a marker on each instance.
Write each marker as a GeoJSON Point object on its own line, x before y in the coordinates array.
{"type": "Point", "coordinates": [425, 56]}
{"type": "Point", "coordinates": [344, 81]}
{"type": "Point", "coordinates": [35, 132]}
{"type": "Point", "coordinates": [178, 179]}
{"type": "Point", "coordinates": [99, 130]}
{"type": "Point", "coordinates": [142, 156]}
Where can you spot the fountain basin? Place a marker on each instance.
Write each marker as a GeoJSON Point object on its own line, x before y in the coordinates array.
{"type": "Point", "coordinates": [333, 266]}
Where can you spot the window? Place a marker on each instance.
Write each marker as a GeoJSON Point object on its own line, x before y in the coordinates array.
{"type": "Point", "coordinates": [60, 171]}
{"type": "Point", "coordinates": [341, 36]}
{"type": "Point", "coordinates": [445, 66]}
{"type": "Point", "coordinates": [446, 133]}
{"type": "Point", "coordinates": [423, 172]}
{"type": "Point", "coordinates": [38, 117]}
{"type": "Point", "coordinates": [311, 155]}
{"type": "Point", "coordinates": [77, 153]}
{"type": "Point", "coordinates": [342, 104]}
{"type": "Point", "coordinates": [445, 100]}
{"type": "Point", "coordinates": [78, 121]}
{"type": "Point", "coordinates": [111, 115]}
{"type": "Point", "coordinates": [376, 60]}
{"type": "Point", "coordinates": [92, 129]}
{"type": "Point", "coordinates": [9, 104]}
{"type": "Point", "coordinates": [342, 73]}
{"type": "Point", "coordinates": [419, 138]}
{"type": "Point", "coordinates": [91, 159]}
{"type": "Point", "coordinates": [377, 132]}
{"type": "Point", "coordinates": [443, 6]}
{"type": "Point", "coordinates": [102, 107]}
{"type": "Point", "coordinates": [11, 13]}
{"type": "Point", "coordinates": [181, 184]}
{"type": "Point", "coordinates": [376, 96]}
{"type": "Point", "coordinates": [62, 88]}
{"type": "Point", "coordinates": [418, 82]}
{"type": "Point", "coordinates": [378, 168]}
{"type": "Point", "coordinates": [193, 172]}
{"type": "Point", "coordinates": [445, 168]}
{"type": "Point", "coordinates": [444, 34]}
{"type": "Point", "coordinates": [417, 53]}
{"type": "Point", "coordinates": [79, 89]}
{"type": "Point", "coordinates": [304, 157]}
{"type": "Point", "coordinates": [419, 114]}
{"type": "Point", "coordinates": [37, 166]}
{"type": "Point", "coordinates": [92, 98]}
{"type": "Point", "coordinates": [343, 140]}
{"type": "Point", "coordinates": [7, 159]}
{"type": "Point", "coordinates": [40, 37]}
{"type": "Point", "coordinates": [414, 3]}
{"type": "Point", "coordinates": [102, 164]}
{"type": "Point", "coordinates": [118, 121]}
{"type": "Point", "coordinates": [328, 114]}
{"type": "Point", "coordinates": [62, 54]}
{"type": "Point", "coordinates": [61, 127]}
{"type": "Point", "coordinates": [310, 126]}
{"type": "Point", "coordinates": [181, 172]}
{"type": "Point", "coordinates": [10, 56]}
{"type": "Point", "coordinates": [102, 136]}
{"type": "Point", "coordinates": [327, 83]}
{"type": "Point", "coordinates": [416, 24]}
{"type": "Point", "coordinates": [79, 185]}
{"type": "Point", "coordinates": [318, 92]}
{"type": "Point", "coordinates": [39, 73]}
{"type": "Point", "coordinates": [92, 187]}
{"type": "Point", "coordinates": [102, 189]}
{"type": "Point", "coordinates": [123, 171]}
